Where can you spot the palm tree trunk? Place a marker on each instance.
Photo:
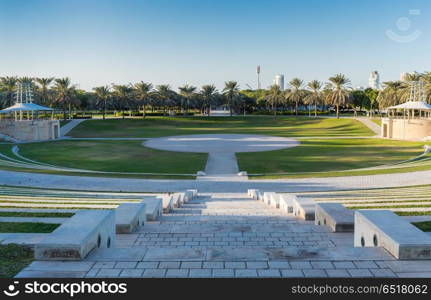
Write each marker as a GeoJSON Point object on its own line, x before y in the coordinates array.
{"type": "Point", "coordinates": [104, 109]}
{"type": "Point", "coordinates": [338, 111]}
{"type": "Point", "coordinates": [143, 111]}
{"type": "Point", "coordinates": [230, 106]}
{"type": "Point", "coordinates": [296, 108]}
{"type": "Point", "coordinates": [315, 110]}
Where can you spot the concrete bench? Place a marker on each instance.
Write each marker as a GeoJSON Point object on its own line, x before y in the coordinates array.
{"type": "Point", "coordinates": [267, 197]}
{"type": "Point", "coordinates": [274, 200]}
{"type": "Point", "coordinates": [153, 208]}
{"type": "Point", "coordinates": [304, 208]}
{"type": "Point", "coordinates": [176, 200]}
{"type": "Point", "coordinates": [168, 203]}
{"type": "Point", "coordinates": [383, 228]}
{"type": "Point", "coordinates": [190, 194]}
{"type": "Point", "coordinates": [335, 216]}
{"type": "Point", "coordinates": [129, 216]}
{"type": "Point", "coordinates": [286, 203]}
{"type": "Point", "coordinates": [75, 238]}
{"type": "Point", "coordinates": [252, 193]}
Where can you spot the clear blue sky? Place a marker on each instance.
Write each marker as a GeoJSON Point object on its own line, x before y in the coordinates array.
{"type": "Point", "coordinates": [97, 42]}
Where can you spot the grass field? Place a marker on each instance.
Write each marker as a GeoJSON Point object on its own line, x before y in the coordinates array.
{"type": "Point", "coordinates": [18, 227]}
{"type": "Point", "coordinates": [424, 226]}
{"type": "Point", "coordinates": [13, 258]}
{"type": "Point", "coordinates": [114, 156]}
{"type": "Point", "coordinates": [326, 155]}
{"type": "Point", "coordinates": [167, 126]}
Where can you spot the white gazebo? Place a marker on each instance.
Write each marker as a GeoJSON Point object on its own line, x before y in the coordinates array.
{"type": "Point", "coordinates": [24, 108]}
{"type": "Point", "coordinates": [410, 120]}
{"type": "Point", "coordinates": [25, 125]}
{"type": "Point", "coordinates": [411, 110]}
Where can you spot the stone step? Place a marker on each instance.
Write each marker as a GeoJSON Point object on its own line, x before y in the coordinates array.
{"type": "Point", "coordinates": [289, 253]}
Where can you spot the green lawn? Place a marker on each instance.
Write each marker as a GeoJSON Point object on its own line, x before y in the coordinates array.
{"type": "Point", "coordinates": [13, 258]}
{"type": "Point", "coordinates": [378, 121]}
{"type": "Point", "coordinates": [424, 226]}
{"type": "Point", "coordinates": [24, 214]}
{"type": "Point", "coordinates": [326, 155]}
{"type": "Point", "coordinates": [114, 156]}
{"type": "Point", "coordinates": [18, 227]}
{"type": "Point", "coordinates": [167, 126]}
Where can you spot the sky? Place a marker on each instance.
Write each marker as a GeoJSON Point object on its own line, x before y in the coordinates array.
{"type": "Point", "coordinates": [197, 42]}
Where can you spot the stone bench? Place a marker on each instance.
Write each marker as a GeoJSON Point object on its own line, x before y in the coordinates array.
{"type": "Point", "coordinates": [335, 216]}
{"type": "Point", "coordinates": [129, 216]}
{"type": "Point", "coordinates": [274, 200]}
{"type": "Point", "coordinates": [176, 200]}
{"type": "Point", "coordinates": [383, 228]}
{"type": "Point", "coordinates": [75, 238]}
{"type": "Point", "coordinates": [267, 196]}
{"type": "Point", "coordinates": [286, 203]}
{"type": "Point", "coordinates": [153, 208]}
{"type": "Point", "coordinates": [304, 208]}
{"type": "Point", "coordinates": [190, 194]}
{"type": "Point", "coordinates": [168, 203]}
{"type": "Point", "coordinates": [252, 193]}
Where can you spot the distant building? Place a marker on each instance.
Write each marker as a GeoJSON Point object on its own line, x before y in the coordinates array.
{"type": "Point", "coordinates": [279, 80]}
{"type": "Point", "coordinates": [374, 80]}
{"type": "Point", "coordinates": [360, 88]}
{"type": "Point", "coordinates": [403, 76]}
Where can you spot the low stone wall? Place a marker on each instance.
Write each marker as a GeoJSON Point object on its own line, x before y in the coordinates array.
{"type": "Point", "coordinates": [33, 130]}
{"type": "Point", "coordinates": [406, 129]}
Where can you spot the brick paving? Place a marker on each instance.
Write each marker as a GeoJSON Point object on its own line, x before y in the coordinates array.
{"type": "Point", "coordinates": [230, 235]}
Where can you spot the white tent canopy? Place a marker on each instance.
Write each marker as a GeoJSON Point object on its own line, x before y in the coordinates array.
{"type": "Point", "coordinates": [21, 107]}
{"type": "Point", "coordinates": [415, 105]}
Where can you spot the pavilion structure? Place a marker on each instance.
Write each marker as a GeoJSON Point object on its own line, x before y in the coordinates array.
{"type": "Point", "coordinates": [410, 120]}
{"type": "Point", "coordinates": [22, 121]}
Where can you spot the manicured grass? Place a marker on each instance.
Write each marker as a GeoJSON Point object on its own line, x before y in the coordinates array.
{"type": "Point", "coordinates": [19, 227]}
{"type": "Point", "coordinates": [424, 226]}
{"type": "Point", "coordinates": [326, 155]}
{"type": "Point", "coordinates": [13, 258]}
{"type": "Point", "coordinates": [413, 213]}
{"type": "Point", "coordinates": [378, 121]}
{"type": "Point", "coordinates": [114, 156]}
{"type": "Point", "coordinates": [167, 126]}
{"type": "Point", "coordinates": [24, 214]}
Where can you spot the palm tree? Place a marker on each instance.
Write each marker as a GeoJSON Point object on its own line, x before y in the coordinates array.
{"type": "Point", "coordinates": [8, 85]}
{"type": "Point", "coordinates": [143, 92]}
{"type": "Point", "coordinates": [337, 91]}
{"type": "Point", "coordinates": [391, 94]}
{"type": "Point", "coordinates": [44, 88]}
{"type": "Point", "coordinates": [164, 93]}
{"type": "Point", "coordinates": [296, 94]}
{"type": "Point", "coordinates": [231, 92]}
{"type": "Point", "coordinates": [103, 94]}
{"type": "Point", "coordinates": [208, 93]}
{"type": "Point", "coordinates": [187, 92]}
{"type": "Point", "coordinates": [65, 92]}
{"type": "Point", "coordinates": [315, 97]}
{"type": "Point", "coordinates": [122, 94]}
{"type": "Point", "coordinates": [274, 97]}
{"type": "Point", "coordinates": [426, 78]}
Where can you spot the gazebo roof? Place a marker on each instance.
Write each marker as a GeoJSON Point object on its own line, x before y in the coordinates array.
{"type": "Point", "coordinates": [25, 107]}
{"type": "Point", "coordinates": [418, 105]}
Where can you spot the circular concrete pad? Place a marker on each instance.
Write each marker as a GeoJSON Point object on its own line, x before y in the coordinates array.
{"type": "Point", "coordinates": [221, 143]}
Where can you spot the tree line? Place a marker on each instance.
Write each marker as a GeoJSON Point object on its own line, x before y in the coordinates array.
{"type": "Point", "coordinates": [143, 97]}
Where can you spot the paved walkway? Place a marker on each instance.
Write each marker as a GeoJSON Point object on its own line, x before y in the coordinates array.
{"type": "Point", "coordinates": [370, 124]}
{"type": "Point", "coordinates": [222, 162]}
{"type": "Point", "coordinates": [81, 183]}
{"type": "Point", "coordinates": [64, 130]}
{"type": "Point", "coordinates": [230, 235]}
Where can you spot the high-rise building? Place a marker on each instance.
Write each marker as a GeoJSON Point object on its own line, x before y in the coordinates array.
{"type": "Point", "coordinates": [279, 80]}
{"type": "Point", "coordinates": [374, 81]}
